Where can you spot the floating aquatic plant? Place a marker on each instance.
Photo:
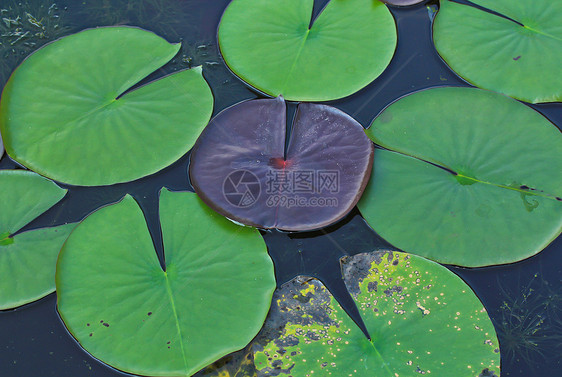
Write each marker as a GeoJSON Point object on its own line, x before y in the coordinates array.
{"type": "Point", "coordinates": [512, 47]}
{"type": "Point", "coordinates": [131, 274]}
{"type": "Point", "coordinates": [464, 186]}
{"type": "Point", "coordinates": [240, 168]}
{"type": "Point", "coordinates": [109, 133]}
{"type": "Point", "coordinates": [421, 318]}
{"type": "Point", "coordinates": [345, 48]}
{"type": "Point", "coordinates": [210, 300]}
{"type": "Point", "coordinates": [28, 258]}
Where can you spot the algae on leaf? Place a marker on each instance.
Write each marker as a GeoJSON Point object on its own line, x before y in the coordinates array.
{"type": "Point", "coordinates": [512, 47]}
{"type": "Point", "coordinates": [237, 364]}
{"type": "Point", "coordinates": [422, 319]}
{"type": "Point", "coordinates": [275, 46]}
{"type": "Point", "coordinates": [27, 259]}
{"type": "Point", "coordinates": [468, 177]}
{"type": "Point", "coordinates": [68, 111]}
{"type": "Point", "coordinates": [211, 300]}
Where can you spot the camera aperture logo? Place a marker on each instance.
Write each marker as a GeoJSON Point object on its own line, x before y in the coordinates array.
{"type": "Point", "coordinates": [241, 188]}
{"type": "Point", "coordinates": [298, 188]}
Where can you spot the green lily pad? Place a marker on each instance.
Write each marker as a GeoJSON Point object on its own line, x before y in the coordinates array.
{"type": "Point", "coordinates": [116, 300]}
{"type": "Point", "coordinates": [28, 259]}
{"type": "Point", "coordinates": [270, 45]}
{"type": "Point", "coordinates": [518, 56]}
{"type": "Point", "coordinates": [421, 317]}
{"type": "Point", "coordinates": [471, 177]}
{"type": "Point", "coordinates": [67, 112]}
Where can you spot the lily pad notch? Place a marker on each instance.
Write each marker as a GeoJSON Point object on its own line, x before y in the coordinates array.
{"type": "Point", "coordinates": [211, 300]}
{"type": "Point", "coordinates": [67, 112]}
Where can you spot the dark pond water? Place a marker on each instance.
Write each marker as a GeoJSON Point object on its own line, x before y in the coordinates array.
{"type": "Point", "coordinates": [524, 299]}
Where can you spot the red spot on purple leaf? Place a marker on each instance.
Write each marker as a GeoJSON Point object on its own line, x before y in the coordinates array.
{"type": "Point", "coordinates": [255, 181]}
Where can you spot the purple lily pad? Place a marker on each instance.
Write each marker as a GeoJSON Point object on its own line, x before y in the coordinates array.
{"type": "Point", "coordinates": [402, 3]}
{"type": "Point", "coordinates": [240, 169]}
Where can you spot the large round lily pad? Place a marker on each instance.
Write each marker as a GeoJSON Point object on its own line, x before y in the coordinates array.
{"type": "Point", "coordinates": [422, 319]}
{"type": "Point", "coordinates": [67, 112]}
{"type": "Point", "coordinates": [519, 55]}
{"type": "Point", "coordinates": [125, 310]}
{"type": "Point", "coordinates": [28, 259]}
{"type": "Point", "coordinates": [271, 46]}
{"type": "Point", "coordinates": [239, 166]}
{"type": "Point", "coordinates": [471, 177]}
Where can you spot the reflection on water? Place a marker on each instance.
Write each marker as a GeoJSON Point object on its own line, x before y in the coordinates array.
{"type": "Point", "coordinates": [524, 299]}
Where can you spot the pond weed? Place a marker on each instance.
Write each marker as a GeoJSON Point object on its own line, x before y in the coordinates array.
{"type": "Point", "coordinates": [25, 26]}
{"type": "Point", "coordinates": [528, 323]}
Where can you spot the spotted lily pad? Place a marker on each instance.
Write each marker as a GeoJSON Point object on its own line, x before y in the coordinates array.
{"type": "Point", "coordinates": [28, 259]}
{"type": "Point", "coordinates": [275, 47]}
{"type": "Point", "coordinates": [116, 300]}
{"type": "Point", "coordinates": [421, 317]}
{"type": "Point", "coordinates": [239, 166]}
{"type": "Point", "coordinates": [68, 111]}
{"type": "Point", "coordinates": [512, 47]}
{"type": "Point", "coordinates": [237, 364]}
{"type": "Point", "coordinates": [470, 177]}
